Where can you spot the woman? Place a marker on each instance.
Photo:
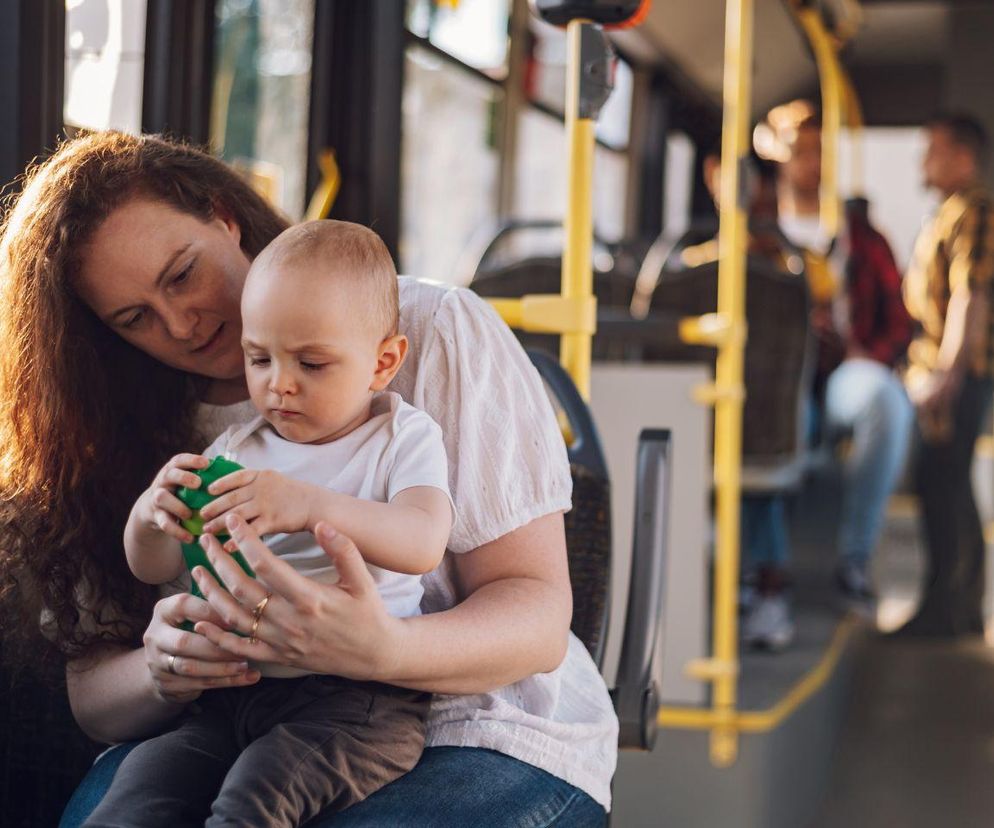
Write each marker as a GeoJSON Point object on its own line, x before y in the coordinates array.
{"type": "Point", "coordinates": [121, 266]}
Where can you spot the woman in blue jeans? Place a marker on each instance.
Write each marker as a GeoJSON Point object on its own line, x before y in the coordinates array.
{"type": "Point", "coordinates": [123, 262]}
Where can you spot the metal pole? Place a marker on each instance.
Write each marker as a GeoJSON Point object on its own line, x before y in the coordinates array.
{"type": "Point", "coordinates": [577, 273]}
{"type": "Point", "coordinates": [729, 372]}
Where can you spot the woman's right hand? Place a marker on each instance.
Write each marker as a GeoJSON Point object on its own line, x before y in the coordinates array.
{"type": "Point", "coordinates": [183, 664]}
{"type": "Point", "coordinates": [160, 509]}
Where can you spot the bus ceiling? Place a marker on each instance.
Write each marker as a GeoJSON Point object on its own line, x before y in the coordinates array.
{"type": "Point", "coordinates": [908, 59]}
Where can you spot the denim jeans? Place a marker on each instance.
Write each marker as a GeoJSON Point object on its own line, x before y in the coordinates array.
{"type": "Point", "coordinates": [764, 531]}
{"type": "Point", "coordinates": [865, 400]}
{"type": "Point", "coordinates": [449, 788]}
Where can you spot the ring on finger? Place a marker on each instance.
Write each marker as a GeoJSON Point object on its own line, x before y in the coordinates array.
{"type": "Point", "coordinates": [171, 664]}
{"type": "Point", "coordinates": [260, 608]}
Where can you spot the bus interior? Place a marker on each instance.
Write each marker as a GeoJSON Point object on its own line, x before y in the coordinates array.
{"type": "Point", "coordinates": [445, 126]}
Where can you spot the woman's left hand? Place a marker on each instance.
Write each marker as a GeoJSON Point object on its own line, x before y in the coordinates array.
{"type": "Point", "coordinates": [341, 628]}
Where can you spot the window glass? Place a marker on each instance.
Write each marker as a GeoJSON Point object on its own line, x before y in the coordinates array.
{"type": "Point", "coordinates": [260, 105]}
{"type": "Point", "coordinates": [449, 165]}
{"type": "Point", "coordinates": [473, 31]}
{"type": "Point", "coordinates": [899, 202]}
{"type": "Point", "coordinates": [546, 83]}
{"type": "Point", "coordinates": [546, 75]}
{"type": "Point", "coordinates": [105, 52]}
{"type": "Point", "coordinates": [615, 118]}
{"type": "Point", "coordinates": [678, 184]}
{"type": "Point", "coordinates": [540, 178]}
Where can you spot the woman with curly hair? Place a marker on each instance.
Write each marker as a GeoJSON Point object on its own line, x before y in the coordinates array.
{"type": "Point", "coordinates": [121, 268]}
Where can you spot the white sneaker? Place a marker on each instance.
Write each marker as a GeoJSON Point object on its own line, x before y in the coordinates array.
{"type": "Point", "coordinates": [768, 625]}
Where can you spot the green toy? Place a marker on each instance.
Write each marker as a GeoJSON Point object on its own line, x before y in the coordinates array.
{"type": "Point", "coordinates": [196, 499]}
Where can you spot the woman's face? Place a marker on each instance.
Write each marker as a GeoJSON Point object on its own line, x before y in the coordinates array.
{"type": "Point", "coordinates": [170, 284]}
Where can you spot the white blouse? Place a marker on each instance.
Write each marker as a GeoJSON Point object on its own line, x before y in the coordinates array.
{"type": "Point", "coordinates": [507, 466]}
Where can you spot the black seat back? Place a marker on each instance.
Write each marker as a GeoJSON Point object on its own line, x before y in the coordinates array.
{"type": "Point", "coordinates": [588, 540]}
{"type": "Point", "coordinates": [543, 275]}
{"type": "Point", "coordinates": [588, 523]}
{"type": "Point", "coordinates": [777, 357]}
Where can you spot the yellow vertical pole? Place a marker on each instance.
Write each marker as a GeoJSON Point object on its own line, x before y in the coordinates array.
{"type": "Point", "coordinates": [854, 120]}
{"type": "Point", "coordinates": [832, 100]}
{"type": "Point", "coordinates": [577, 273]}
{"type": "Point", "coordinates": [729, 371]}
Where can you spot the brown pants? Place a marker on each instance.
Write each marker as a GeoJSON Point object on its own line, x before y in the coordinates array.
{"type": "Point", "coordinates": [276, 753]}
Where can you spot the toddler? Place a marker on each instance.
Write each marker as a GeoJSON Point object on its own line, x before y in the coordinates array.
{"type": "Point", "coordinates": [319, 317]}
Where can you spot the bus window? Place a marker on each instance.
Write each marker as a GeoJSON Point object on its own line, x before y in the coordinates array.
{"type": "Point", "coordinates": [449, 165]}
{"type": "Point", "coordinates": [899, 202]}
{"type": "Point", "coordinates": [105, 46]}
{"type": "Point", "coordinates": [678, 184]}
{"type": "Point", "coordinates": [262, 75]}
{"type": "Point", "coordinates": [546, 83]}
{"type": "Point", "coordinates": [540, 178]}
{"type": "Point", "coordinates": [474, 32]}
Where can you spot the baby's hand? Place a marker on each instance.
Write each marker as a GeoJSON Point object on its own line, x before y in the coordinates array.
{"type": "Point", "coordinates": [159, 508]}
{"type": "Point", "coordinates": [266, 500]}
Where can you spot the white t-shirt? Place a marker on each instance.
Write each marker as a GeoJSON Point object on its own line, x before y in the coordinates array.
{"type": "Point", "coordinates": [507, 466]}
{"type": "Point", "coordinates": [806, 231]}
{"type": "Point", "coordinates": [397, 448]}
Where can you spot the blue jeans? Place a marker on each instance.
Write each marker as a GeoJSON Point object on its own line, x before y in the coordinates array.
{"type": "Point", "coordinates": [867, 401]}
{"type": "Point", "coordinates": [764, 531]}
{"type": "Point", "coordinates": [449, 788]}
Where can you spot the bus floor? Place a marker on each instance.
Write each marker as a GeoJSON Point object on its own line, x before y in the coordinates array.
{"type": "Point", "coordinates": [917, 746]}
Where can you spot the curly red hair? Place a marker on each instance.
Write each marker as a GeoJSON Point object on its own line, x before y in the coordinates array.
{"type": "Point", "coordinates": [85, 418]}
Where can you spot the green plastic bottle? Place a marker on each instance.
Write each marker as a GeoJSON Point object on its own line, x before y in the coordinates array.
{"type": "Point", "coordinates": [196, 499]}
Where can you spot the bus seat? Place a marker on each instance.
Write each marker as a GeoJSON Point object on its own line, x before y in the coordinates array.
{"type": "Point", "coordinates": [779, 360]}
{"type": "Point", "coordinates": [636, 693]}
{"type": "Point", "coordinates": [588, 523]}
{"type": "Point", "coordinates": [495, 270]}
{"type": "Point", "coordinates": [588, 541]}
{"type": "Point", "coordinates": [543, 275]}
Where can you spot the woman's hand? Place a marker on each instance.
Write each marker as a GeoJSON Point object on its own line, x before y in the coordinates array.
{"type": "Point", "coordinates": [159, 509]}
{"type": "Point", "coordinates": [183, 664]}
{"type": "Point", "coordinates": [341, 628]}
{"type": "Point", "coordinates": [267, 500]}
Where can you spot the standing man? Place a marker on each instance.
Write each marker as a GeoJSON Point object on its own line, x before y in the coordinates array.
{"type": "Point", "coordinates": [947, 291]}
{"type": "Point", "coordinates": [863, 330]}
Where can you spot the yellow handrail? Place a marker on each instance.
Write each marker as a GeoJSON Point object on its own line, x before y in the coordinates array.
{"type": "Point", "coordinates": [854, 121]}
{"type": "Point", "coordinates": [833, 96]}
{"type": "Point", "coordinates": [727, 330]}
{"type": "Point", "coordinates": [549, 313]}
{"type": "Point", "coordinates": [327, 190]}
{"type": "Point", "coordinates": [577, 273]}
{"type": "Point", "coordinates": [840, 104]}
{"type": "Point", "coordinates": [573, 313]}
{"type": "Point", "coordinates": [762, 721]}
{"type": "Point", "coordinates": [732, 242]}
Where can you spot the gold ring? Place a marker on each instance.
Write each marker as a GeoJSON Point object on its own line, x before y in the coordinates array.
{"type": "Point", "coordinates": [171, 662]}
{"type": "Point", "coordinates": [260, 608]}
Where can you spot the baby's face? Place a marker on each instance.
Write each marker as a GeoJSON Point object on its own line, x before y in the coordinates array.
{"type": "Point", "coordinates": [310, 356]}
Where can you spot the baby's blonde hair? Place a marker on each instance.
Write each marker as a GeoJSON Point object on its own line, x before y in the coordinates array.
{"type": "Point", "coordinates": [348, 251]}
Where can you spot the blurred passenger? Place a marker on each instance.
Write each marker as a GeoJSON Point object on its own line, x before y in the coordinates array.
{"type": "Point", "coordinates": [863, 330]}
{"type": "Point", "coordinates": [949, 379]}
{"type": "Point", "coordinates": [765, 548]}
